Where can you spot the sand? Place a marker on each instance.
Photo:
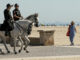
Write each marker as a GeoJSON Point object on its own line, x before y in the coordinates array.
{"type": "Point", "coordinates": [60, 37]}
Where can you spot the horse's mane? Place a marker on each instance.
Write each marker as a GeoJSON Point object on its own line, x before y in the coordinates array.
{"type": "Point", "coordinates": [30, 16]}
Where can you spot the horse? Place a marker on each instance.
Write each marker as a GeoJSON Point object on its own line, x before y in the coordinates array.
{"type": "Point", "coordinates": [34, 19]}
{"type": "Point", "coordinates": [22, 29]}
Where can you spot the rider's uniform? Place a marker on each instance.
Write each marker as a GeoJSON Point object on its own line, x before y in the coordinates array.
{"type": "Point", "coordinates": [7, 22]}
{"type": "Point", "coordinates": [17, 13]}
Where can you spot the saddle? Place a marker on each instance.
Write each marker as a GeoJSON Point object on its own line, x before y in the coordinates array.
{"type": "Point", "coordinates": [2, 28]}
{"type": "Point", "coordinates": [7, 26]}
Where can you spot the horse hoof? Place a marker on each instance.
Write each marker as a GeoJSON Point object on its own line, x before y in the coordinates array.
{"type": "Point", "coordinates": [19, 51]}
{"type": "Point", "coordinates": [15, 52]}
{"type": "Point", "coordinates": [8, 52]}
{"type": "Point", "coordinates": [27, 51]}
{"type": "Point", "coordinates": [24, 48]}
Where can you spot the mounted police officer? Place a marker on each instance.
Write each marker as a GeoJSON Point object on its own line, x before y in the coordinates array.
{"type": "Point", "coordinates": [8, 25]}
{"type": "Point", "coordinates": [17, 16]}
{"type": "Point", "coordinates": [16, 13]}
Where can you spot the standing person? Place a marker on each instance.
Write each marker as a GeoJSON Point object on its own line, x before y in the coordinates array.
{"type": "Point", "coordinates": [8, 25]}
{"type": "Point", "coordinates": [16, 13]}
{"type": "Point", "coordinates": [72, 32]}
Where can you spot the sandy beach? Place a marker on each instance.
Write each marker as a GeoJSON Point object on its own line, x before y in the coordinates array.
{"type": "Point", "coordinates": [61, 50]}
{"type": "Point", "coordinates": [60, 37]}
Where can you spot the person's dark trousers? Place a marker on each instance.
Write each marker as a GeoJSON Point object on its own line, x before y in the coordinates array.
{"type": "Point", "coordinates": [71, 40]}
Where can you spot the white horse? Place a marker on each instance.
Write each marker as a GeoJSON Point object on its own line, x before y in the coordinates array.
{"type": "Point", "coordinates": [22, 29]}
{"type": "Point", "coordinates": [33, 19]}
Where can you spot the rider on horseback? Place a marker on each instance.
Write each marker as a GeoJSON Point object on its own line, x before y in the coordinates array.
{"type": "Point", "coordinates": [16, 13]}
{"type": "Point", "coordinates": [8, 25]}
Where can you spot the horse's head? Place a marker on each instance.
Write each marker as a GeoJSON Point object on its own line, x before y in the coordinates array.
{"type": "Point", "coordinates": [34, 19]}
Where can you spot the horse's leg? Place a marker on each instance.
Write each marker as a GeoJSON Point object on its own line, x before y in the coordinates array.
{"type": "Point", "coordinates": [4, 42]}
{"type": "Point", "coordinates": [26, 42]}
{"type": "Point", "coordinates": [1, 51]}
{"type": "Point", "coordinates": [14, 40]}
{"type": "Point", "coordinates": [20, 39]}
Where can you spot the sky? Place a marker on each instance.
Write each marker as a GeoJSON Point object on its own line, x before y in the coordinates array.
{"type": "Point", "coordinates": [50, 11]}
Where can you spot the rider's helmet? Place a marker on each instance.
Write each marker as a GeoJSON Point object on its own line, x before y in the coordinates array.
{"type": "Point", "coordinates": [9, 5]}
{"type": "Point", "coordinates": [16, 5]}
